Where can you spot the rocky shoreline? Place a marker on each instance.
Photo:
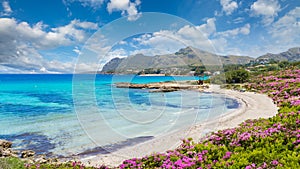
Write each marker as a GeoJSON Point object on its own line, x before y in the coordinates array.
{"type": "Point", "coordinates": [165, 86]}
{"type": "Point", "coordinates": [28, 156]}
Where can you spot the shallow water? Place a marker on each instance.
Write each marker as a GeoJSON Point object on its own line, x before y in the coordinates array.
{"type": "Point", "coordinates": [66, 115]}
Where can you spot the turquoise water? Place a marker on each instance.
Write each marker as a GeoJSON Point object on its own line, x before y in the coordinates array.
{"type": "Point", "coordinates": [66, 114]}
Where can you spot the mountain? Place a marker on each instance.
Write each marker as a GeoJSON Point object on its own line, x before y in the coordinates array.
{"type": "Point", "coordinates": [182, 60]}
{"type": "Point", "coordinates": [112, 65]}
{"type": "Point", "coordinates": [293, 54]}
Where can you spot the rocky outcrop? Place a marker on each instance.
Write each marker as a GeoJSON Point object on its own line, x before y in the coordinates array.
{"type": "Point", "coordinates": [4, 144]}
{"type": "Point", "coordinates": [162, 86]}
{"type": "Point", "coordinates": [27, 153]}
{"type": "Point", "coordinates": [6, 150]}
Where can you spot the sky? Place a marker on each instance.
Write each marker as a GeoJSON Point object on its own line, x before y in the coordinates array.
{"type": "Point", "coordinates": [51, 36]}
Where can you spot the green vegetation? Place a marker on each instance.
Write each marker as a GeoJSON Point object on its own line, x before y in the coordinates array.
{"type": "Point", "coordinates": [260, 143]}
{"type": "Point", "coordinates": [232, 76]}
{"type": "Point", "coordinates": [11, 163]}
{"type": "Point", "coordinates": [150, 71]}
{"type": "Point", "coordinates": [237, 76]}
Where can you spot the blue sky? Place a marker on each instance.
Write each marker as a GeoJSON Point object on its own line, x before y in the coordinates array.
{"type": "Point", "coordinates": [48, 36]}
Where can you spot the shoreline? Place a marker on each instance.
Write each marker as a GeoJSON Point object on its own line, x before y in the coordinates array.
{"type": "Point", "coordinates": [252, 106]}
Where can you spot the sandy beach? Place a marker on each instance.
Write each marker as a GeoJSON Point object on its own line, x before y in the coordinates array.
{"type": "Point", "coordinates": [252, 106]}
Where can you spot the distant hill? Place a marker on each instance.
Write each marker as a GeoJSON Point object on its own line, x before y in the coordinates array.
{"type": "Point", "coordinates": [291, 55]}
{"type": "Point", "coordinates": [184, 57]}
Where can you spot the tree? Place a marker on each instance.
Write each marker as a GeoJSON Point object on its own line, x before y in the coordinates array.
{"type": "Point", "coordinates": [199, 71]}
{"type": "Point", "coordinates": [237, 76]}
{"type": "Point", "coordinates": [283, 64]}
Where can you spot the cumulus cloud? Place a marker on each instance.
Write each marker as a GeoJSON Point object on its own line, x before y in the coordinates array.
{"type": "Point", "coordinates": [208, 28]}
{"type": "Point", "coordinates": [268, 9]}
{"type": "Point", "coordinates": [126, 7]}
{"type": "Point", "coordinates": [245, 30]}
{"type": "Point", "coordinates": [158, 43]}
{"type": "Point", "coordinates": [286, 30]}
{"type": "Point", "coordinates": [203, 36]}
{"type": "Point", "coordinates": [20, 43]}
{"type": "Point", "coordinates": [37, 37]}
{"type": "Point", "coordinates": [228, 6]}
{"type": "Point", "coordinates": [6, 8]}
{"type": "Point", "coordinates": [170, 41]}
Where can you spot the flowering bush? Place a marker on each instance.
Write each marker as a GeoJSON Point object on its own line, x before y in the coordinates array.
{"type": "Point", "coordinates": [255, 144]}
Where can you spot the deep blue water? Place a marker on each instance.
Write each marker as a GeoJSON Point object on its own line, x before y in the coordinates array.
{"type": "Point", "coordinates": [66, 114]}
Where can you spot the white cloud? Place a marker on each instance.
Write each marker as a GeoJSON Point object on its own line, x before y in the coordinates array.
{"type": "Point", "coordinates": [37, 37]}
{"type": "Point", "coordinates": [86, 3]}
{"type": "Point", "coordinates": [158, 43]}
{"type": "Point", "coordinates": [167, 41]}
{"type": "Point", "coordinates": [7, 9]}
{"type": "Point", "coordinates": [123, 43]}
{"type": "Point", "coordinates": [126, 7]}
{"type": "Point", "coordinates": [120, 53]}
{"type": "Point", "coordinates": [203, 36]}
{"type": "Point", "coordinates": [85, 25]}
{"type": "Point", "coordinates": [245, 30]}
{"type": "Point", "coordinates": [268, 9]}
{"type": "Point", "coordinates": [209, 28]}
{"type": "Point", "coordinates": [238, 20]}
{"type": "Point", "coordinates": [228, 6]}
{"type": "Point", "coordinates": [77, 50]}
{"type": "Point", "coordinates": [286, 30]}
{"type": "Point", "coordinates": [21, 43]}
{"type": "Point", "coordinates": [117, 5]}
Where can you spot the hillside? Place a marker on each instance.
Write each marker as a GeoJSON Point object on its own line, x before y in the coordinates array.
{"type": "Point", "coordinates": [291, 55]}
{"type": "Point", "coordinates": [181, 60]}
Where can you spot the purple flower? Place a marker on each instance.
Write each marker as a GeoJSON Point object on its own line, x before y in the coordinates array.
{"type": "Point", "coordinates": [275, 162]}
{"type": "Point", "coordinates": [227, 155]}
{"type": "Point", "coordinates": [248, 167]}
{"type": "Point", "coordinates": [245, 136]}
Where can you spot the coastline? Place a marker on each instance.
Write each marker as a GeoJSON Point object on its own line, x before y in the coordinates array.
{"type": "Point", "coordinates": [252, 106]}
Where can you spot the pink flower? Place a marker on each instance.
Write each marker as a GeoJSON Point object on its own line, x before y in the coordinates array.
{"type": "Point", "coordinates": [248, 167]}
{"type": "Point", "coordinates": [275, 162]}
{"type": "Point", "coordinates": [295, 102]}
{"type": "Point", "coordinates": [227, 155]}
{"type": "Point", "coordinates": [245, 136]}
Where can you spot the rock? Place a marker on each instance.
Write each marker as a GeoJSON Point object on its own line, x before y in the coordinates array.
{"type": "Point", "coordinates": [8, 153]}
{"type": "Point", "coordinates": [53, 160]}
{"type": "Point", "coordinates": [5, 144]}
{"type": "Point", "coordinates": [5, 149]}
{"type": "Point", "coordinates": [162, 86]}
{"type": "Point", "coordinates": [41, 159]}
{"type": "Point", "coordinates": [162, 90]}
{"type": "Point", "coordinates": [27, 154]}
{"type": "Point", "coordinates": [14, 153]}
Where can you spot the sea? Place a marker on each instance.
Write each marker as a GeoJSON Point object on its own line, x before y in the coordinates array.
{"type": "Point", "coordinates": [65, 115]}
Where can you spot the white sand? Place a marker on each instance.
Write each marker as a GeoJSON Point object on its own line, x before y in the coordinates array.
{"type": "Point", "coordinates": [253, 106]}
